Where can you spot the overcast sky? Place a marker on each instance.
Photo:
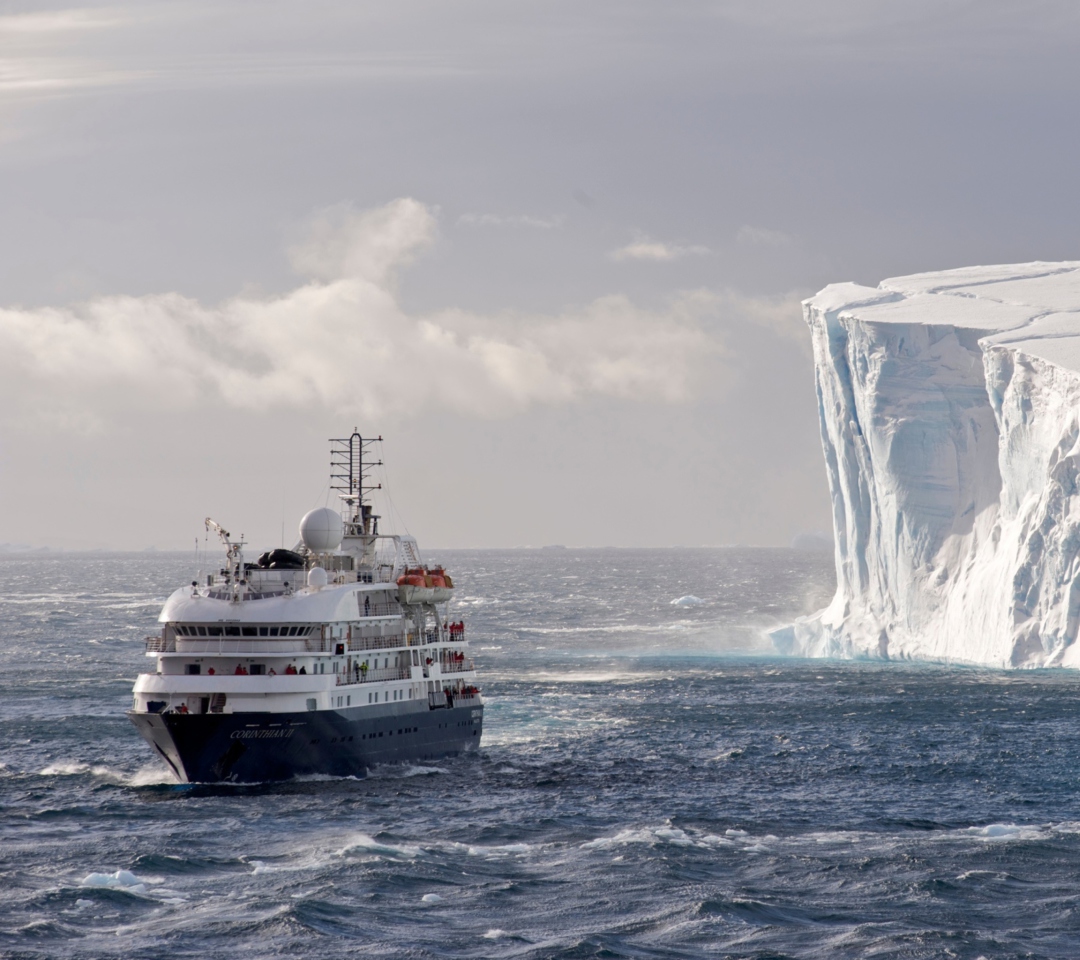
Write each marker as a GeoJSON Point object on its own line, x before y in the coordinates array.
{"type": "Point", "coordinates": [552, 252]}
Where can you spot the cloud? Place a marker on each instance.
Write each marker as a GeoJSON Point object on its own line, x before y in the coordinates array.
{"type": "Point", "coordinates": [514, 220]}
{"type": "Point", "coordinates": [760, 236]}
{"type": "Point", "coordinates": [343, 341]}
{"type": "Point", "coordinates": [370, 245]}
{"type": "Point", "coordinates": [645, 249]}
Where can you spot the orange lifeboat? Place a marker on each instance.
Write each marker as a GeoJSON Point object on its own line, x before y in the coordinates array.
{"type": "Point", "coordinates": [414, 587]}
{"type": "Point", "coordinates": [442, 584]}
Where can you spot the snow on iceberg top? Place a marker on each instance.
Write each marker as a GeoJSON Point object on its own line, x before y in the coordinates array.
{"type": "Point", "coordinates": [1034, 307]}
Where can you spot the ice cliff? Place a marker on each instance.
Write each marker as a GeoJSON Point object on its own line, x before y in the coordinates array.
{"type": "Point", "coordinates": [950, 419]}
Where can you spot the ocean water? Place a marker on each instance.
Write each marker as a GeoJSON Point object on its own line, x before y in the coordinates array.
{"type": "Point", "coordinates": [654, 782]}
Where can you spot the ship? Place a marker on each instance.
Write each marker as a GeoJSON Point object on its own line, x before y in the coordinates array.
{"type": "Point", "coordinates": [326, 659]}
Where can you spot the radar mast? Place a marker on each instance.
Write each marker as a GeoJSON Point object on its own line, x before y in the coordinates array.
{"type": "Point", "coordinates": [350, 476]}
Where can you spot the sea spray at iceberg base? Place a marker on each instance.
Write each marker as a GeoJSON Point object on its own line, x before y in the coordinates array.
{"type": "Point", "coordinates": [950, 418]}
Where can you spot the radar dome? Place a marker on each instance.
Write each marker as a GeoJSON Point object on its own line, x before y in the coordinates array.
{"type": "Point", "coordinates": [322, 530]}
{"type": "Point", "coordinates": [316, 577]}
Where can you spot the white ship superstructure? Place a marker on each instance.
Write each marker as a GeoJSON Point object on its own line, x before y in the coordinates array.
{"type": "Point", "coordinates": [323, 659]}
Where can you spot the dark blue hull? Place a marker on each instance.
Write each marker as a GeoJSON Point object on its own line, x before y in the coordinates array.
{"type": "Point", "coordinates": [256, 747]}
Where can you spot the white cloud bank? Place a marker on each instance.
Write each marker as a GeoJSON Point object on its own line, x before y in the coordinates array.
{"type": "Point", "coordinates": [645, 249]}
{"type": "Point", "coordinates": [343, 341]}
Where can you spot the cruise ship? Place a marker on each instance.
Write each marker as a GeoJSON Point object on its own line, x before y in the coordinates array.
{"type": "Point", "coordinates": [329, 658]}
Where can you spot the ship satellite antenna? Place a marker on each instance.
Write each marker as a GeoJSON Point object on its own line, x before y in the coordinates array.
{"type": "Point", "coordinates": [350, 476]}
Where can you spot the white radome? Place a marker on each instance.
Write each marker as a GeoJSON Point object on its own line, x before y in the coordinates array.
{"type": "Point", "coordinates": [317, 578]}
{"type": "Point", "coordinates": [322, 530]}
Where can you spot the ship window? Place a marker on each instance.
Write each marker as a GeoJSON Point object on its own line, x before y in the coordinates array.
{"type": "Point", "coordinates": [213, 631]}
{"type": "Point", "coordinates": [258, 669]}
{"type": "Point", "coordinates": [192, 669]}
{"type": "Point", "coordinates": [264, 631]}
{"type": "Point", "coordinates": [251, 631]}
{"type": "Point", "coordinates": [369, 698]}
{"type": "Point", "coordinates": [348, 701]}
{"type": "Point", "coordinates": [232, 631]}
{"type": "Point", "coordinates": [273, 631]}
{"type": "Point", "coordinates": [202, 631]}
{"type": "Point", "coordinates": [311, 703]}
{"type": "Point", "coordinates": [376, 697]}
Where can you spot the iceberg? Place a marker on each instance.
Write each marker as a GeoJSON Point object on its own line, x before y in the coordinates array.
{"type": "Point", "coordinates": [949, 410]}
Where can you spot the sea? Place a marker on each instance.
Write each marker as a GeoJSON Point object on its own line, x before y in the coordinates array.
{"type": "Point", "coordinates": [654, 780]}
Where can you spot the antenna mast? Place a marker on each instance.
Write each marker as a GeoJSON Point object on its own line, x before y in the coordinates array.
{"type": "Point", "coordinates": [350, 476]}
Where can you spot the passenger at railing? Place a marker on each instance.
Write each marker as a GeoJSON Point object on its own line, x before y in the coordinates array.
{"type": "Point", "coordinates": [303, 669]}
{"type": "Point", "coordinates": [211, 672]}
{"type": "Point", "coordinates": [367, 606]}
{"type": "Point", "coordinates": [363, 671]}
{"type": "Point", "coordinates": [240, 671]}
{"type": "Point", "coordinates": [272, 672]}
{"type": "Point", "coordinates": [290, 669]}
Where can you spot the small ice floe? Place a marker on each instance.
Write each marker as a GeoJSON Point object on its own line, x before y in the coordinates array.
{"type": "Point", "coordinates": [495, 934]}
{"type": "Point", "coordinates": [121, 880]}
{"type": "Point", "coordinates": [688, 601]}
{"type": "Point", "coordinates": [431, 898]}
{"type": "Point", "coordinates": [1004, 831]}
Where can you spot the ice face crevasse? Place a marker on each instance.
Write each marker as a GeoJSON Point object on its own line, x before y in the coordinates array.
{"type": "Point", "coordinates": [950, 419]}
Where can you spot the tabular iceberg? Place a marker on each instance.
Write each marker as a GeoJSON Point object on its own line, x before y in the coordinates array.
{"type": "Point", "coordinates": [950, 418]}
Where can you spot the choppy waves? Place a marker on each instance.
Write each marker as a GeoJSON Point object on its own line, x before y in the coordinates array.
{"type": "Point", "coordinates": [637, 795]}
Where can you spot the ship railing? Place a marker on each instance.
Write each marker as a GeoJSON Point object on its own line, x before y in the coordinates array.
{"type": "Point", "coordinates": [159, 644]}
{"type": "Point", "coordinates": [457, 666]}
{"type": "Point", "coordinates": [245, 645]}
{"type": "Point", "coordinates": [466, 699]}
{"type": "Point", "coordinates": [392, 609]}
{"type": "Point", "coordinates": [373, 676]}
{"type": "Point", "coordinates": [378, 643]}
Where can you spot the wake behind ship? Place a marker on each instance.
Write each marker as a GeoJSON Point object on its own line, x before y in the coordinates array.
{"type": "Point", "coordinates": [325, 659]}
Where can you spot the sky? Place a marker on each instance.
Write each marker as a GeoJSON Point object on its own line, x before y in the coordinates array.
{"type": "Point", "coordinates": [552, 252]}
